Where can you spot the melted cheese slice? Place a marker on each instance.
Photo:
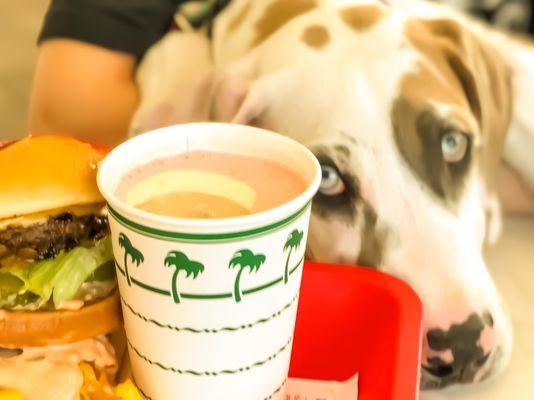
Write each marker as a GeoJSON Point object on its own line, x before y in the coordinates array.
{"type": "Point", "coordinates": [52, 373]}
{"type": "Point", "coordinates": [193, 181]}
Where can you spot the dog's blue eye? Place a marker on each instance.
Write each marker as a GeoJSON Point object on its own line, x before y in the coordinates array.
{"type": "Point", "coordinates": [454, 146]}
{"type": "Point", "coordinates": [331, 182]}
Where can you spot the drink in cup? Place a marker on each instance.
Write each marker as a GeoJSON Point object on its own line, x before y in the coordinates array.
{"type": "Point", "coordinates": [209, 225]}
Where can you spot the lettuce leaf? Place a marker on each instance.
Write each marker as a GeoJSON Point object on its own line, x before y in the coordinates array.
{"type": "Point", "coordinates": [55, 280]}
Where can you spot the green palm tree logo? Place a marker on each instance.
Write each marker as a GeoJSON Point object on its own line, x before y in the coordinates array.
{"type": "Point", "coordinates": [244, 259]}
{"type": "Point", "coordinates": [293, 242]}
{"type": "Point", "coordinates": [181, 262]}
{"type": "Point", "coordinates": [129, 250]}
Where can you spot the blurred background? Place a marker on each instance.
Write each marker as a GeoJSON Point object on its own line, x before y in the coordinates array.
{"type": "Point", "coordinates": [19, 25]}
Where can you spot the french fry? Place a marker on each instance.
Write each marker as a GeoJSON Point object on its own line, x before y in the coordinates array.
{"type": "Point", "coordinates": [10, 394]}
{"type": "Point", "coordinates": [101, 389]}
{"type": "Point", "coordinates": [128, 391]}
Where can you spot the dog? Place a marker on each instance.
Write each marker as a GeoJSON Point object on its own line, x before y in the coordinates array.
{"type": "Point", "coordinates": [407, 106]}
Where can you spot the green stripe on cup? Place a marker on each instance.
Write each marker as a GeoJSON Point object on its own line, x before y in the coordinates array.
{"type": "Point", "coordinates": [203, 237]}
{"type": "Point", "coordinates": [209, 330]}
{"type": "Point", "coordinates": [210, 296]}
{"type": "Point", "coordinates": [275, 391]}
{"type": "Point", "coordinates": [233, 371]}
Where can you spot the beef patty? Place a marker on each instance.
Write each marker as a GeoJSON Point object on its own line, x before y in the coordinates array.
{"type": "Point", "coordinates": [45, 240]}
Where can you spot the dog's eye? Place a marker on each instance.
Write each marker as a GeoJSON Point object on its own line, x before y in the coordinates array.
{"type": "Point", "coordinates": [331, 182]}
{"type": "Point", "coordinates": [454, 145]}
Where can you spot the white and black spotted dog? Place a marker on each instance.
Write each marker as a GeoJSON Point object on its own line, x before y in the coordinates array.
{"type": "Point", "coordinates": [407, 107]}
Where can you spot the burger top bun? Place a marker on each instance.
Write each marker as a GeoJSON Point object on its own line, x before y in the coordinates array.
{"type": "Point", "coordinates": [43, 173]}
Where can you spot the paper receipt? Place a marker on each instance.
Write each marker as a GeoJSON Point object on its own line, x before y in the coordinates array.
{"type": "Point", "coordinates": [303, 389]}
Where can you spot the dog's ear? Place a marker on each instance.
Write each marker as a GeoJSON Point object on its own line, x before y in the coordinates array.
{"type": "Point", "coordinates": [519, 146]}
{"type": "Point", "coordinates": [174, 89]}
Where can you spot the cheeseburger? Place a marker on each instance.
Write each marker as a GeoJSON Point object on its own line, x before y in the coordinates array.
{"type": "Point", "coordinates": [58, 297]}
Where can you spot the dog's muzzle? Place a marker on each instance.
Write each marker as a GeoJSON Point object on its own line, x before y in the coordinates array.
{"type": "Point", "coordinates": [464, 353]}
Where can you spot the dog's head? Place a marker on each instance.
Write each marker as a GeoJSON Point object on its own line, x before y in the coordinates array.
{"type": "Point", "coordinates": [407, 117]}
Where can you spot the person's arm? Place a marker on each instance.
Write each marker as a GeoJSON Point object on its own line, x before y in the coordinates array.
{"type": "Point", "coordinates": [83, 90]}
{"type": "Point", "coordinates": [84, 82]}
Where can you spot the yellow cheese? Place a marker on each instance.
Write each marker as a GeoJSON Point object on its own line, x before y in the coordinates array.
{"type": "Point", "coordinates": [10, 394]}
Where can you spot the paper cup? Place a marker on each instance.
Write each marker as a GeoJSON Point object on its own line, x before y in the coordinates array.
{"type": "Point", "coordinates": [201, 321]}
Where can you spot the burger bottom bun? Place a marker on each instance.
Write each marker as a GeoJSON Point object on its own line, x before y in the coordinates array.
{"type": "Point", "coordinates": [21, 329]}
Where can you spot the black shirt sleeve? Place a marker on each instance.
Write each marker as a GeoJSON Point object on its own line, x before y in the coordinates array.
{"type": "Point", "coordinates": [129, 26]}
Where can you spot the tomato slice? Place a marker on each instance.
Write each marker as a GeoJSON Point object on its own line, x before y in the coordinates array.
{"type": "Point", "coordinates": [99, 147]}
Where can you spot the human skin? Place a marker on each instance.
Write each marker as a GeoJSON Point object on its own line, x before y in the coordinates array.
{"type": "Point", "coordinates": [84, 91]}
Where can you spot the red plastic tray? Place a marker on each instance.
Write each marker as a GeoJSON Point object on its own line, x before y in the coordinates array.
{"type": "Point", "coordinates": [353, 319]}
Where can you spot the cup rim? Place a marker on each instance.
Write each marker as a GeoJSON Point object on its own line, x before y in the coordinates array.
{"type": "Point", "coordinates": [240, 222]}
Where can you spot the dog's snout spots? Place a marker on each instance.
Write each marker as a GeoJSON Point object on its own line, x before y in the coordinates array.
{"type": "Point", "coordinates": [437, 339]}
{"type": "Point", "coordinates": [316, 36]}
{"type": "Point", "coordinates": [361, 17]}
{"type": "Point", "coordinates": [488, 319]}
{"type": "Point", "coordinates": [464, 341]}
{"type": "Point", "coordinates": [467, 333]}
{"type": "Point", "coordinates": [440, 368]}
{"type": "Point", "coordinates": [465, 336]}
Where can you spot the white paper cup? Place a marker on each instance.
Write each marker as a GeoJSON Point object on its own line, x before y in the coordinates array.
{"type": "Point", "coordinates": [193, 332]}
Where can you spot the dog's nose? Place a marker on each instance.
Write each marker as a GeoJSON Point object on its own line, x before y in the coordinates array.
{"type": "Point", "coordinates": [458, 354]}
